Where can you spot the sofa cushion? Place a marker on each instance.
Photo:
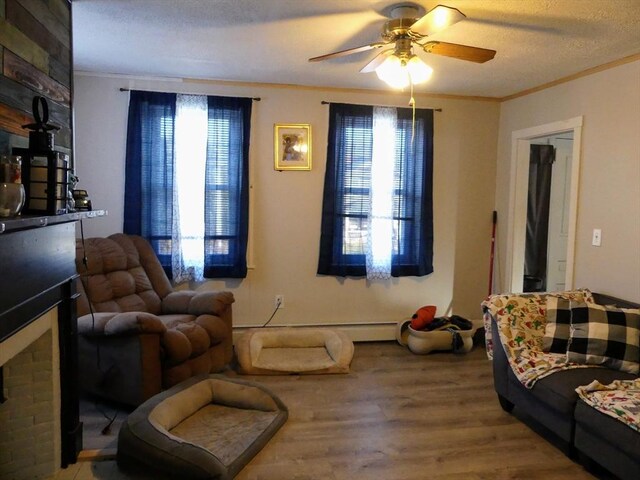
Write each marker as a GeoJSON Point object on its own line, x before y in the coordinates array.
{"type": "Point", "coordinates": [557, 328]}
{"type": "Point", "coordinates": [607, 336]}
{"type": "Point", "coordinates": [619, 400]}
{"type": "Point", "coordinates": [607, 429]}
{"type": "Point", "coordinates": [558, 390]}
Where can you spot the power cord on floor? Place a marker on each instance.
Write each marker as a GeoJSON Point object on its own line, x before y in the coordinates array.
{"type": "Point", "coordinates": [279, 302]}
{"type": "Point", "coordinates": [105, 375]}
{"type": "Point", "coordinates": [107, 429]}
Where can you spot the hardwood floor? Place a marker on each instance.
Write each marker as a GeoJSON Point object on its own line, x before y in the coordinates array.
{"type": "Point", "coordinates": [396, 416]}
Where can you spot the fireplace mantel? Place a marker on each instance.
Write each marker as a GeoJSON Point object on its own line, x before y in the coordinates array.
{"type": "Point", "coordinates": [37, 254]}
{"type": "Point", "coordinates": [37, 273]}
{"type": "Point", "coordinates": [35, 221]}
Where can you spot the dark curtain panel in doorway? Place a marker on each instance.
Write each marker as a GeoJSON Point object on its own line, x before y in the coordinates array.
{"type": "Point", "coordinates": [535, 264]}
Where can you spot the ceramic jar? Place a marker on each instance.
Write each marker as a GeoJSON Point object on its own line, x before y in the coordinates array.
{"type": "Point", "coordinates": [12, 195]}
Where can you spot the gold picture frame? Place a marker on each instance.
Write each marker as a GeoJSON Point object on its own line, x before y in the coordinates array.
{"type": "Point", "coordinates": [292, 146]}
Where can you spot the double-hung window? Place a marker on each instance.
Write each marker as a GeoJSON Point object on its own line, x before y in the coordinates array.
{"type": "Point", "coordinates": [377, 205]}
{"type": "Point", "coordinates": [187, 187]}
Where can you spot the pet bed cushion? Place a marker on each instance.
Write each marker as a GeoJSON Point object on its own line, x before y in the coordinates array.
{"type": "Point", "coordinates": [209, 426]}
{"type": "Point", "coordinates": [282, 351]}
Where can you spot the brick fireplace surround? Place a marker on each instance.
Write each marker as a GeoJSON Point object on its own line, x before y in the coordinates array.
{"type": "Point", "coordinates": [30, 416]}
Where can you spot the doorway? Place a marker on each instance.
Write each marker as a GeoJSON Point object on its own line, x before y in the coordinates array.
{"type": "Point", "coordinates": [559, 262]}
{"type": "Point", "coordinates": [545, 255]}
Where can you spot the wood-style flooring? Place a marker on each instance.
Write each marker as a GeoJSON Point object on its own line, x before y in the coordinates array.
{"type": "Point", "coordinates": [396, 416]}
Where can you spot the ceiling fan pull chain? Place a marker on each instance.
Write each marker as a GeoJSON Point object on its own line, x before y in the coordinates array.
{"type": "Point", "coordinates": [412, 104]}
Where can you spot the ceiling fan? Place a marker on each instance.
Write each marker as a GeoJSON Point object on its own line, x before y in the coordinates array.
{"type": "Point", "coordinates": [398, 65]}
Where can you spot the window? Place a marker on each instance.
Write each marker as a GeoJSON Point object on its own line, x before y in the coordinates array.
{"type": "Point", "coordinates": [372, 207]}
{"type": "Point", "coordinates": [187, 181]}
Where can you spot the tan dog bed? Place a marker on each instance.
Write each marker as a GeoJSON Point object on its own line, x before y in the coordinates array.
{"type": "Point", "coordinates": [283, 351]}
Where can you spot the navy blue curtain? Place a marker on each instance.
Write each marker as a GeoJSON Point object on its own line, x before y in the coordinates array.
{"type": "Point", "coordinates": [227, 187]}
{"type": "Point", "coordinates": [149, 179]}
{"type": "Point", "coordinates": [148, 194]}
{"type": "Point", "coordinates": [346, 192]}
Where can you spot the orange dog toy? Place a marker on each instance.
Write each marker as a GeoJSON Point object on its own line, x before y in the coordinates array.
{"type": "Point", "coordinates": [423, 317]}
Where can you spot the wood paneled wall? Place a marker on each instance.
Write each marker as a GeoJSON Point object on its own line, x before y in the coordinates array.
{"type": "Point", "coordinates": [35, 59]}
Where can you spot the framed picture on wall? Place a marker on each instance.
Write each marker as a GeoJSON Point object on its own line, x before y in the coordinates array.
{"type": "Point", "coordinates": [292, 146]}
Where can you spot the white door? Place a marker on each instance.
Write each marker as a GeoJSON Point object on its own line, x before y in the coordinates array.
{"type": "Point", "coordinates": [559, 214]}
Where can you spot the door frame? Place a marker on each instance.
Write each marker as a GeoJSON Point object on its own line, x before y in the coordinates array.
{"type": "Point", "coordinates": [518, 190]}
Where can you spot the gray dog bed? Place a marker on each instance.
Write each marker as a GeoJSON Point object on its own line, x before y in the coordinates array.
{"type": "Point", "coordinates": [208, 427]}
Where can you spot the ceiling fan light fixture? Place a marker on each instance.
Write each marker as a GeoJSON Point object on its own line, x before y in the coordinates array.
{"type": "Point", "coordinates": [419, 71]}
{"type": "Point", "coordinates": [393, 72]}
{"type": "Point", "coordinates": [400, 73]}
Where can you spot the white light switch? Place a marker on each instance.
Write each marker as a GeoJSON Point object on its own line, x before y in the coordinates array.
{"type": "Point", "coordinates": [597, 237]}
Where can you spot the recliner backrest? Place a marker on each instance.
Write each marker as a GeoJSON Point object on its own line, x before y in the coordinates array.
{"type": "Point", "coordinates": [122, 274]}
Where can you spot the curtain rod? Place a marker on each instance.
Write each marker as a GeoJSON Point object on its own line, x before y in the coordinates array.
{"type": "Point", "coordinates": [324, 102]}
{"type": "Point", "coordinates": [257, 99]}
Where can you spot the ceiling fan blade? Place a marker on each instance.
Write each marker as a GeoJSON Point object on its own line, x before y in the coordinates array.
{"type": "Point", "coordinates": [462, 52]}
{"type": "Point", "coordinates": [348, 51]}
{"type": "Point", "coordinates": [437, 19]}
{"type": "Point", "coordinates": [377, 61]}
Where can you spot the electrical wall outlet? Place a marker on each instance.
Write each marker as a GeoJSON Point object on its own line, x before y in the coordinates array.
{"type": "Point", "coordinates": [279, 301]}
{"type": "Point", "coordinates": [596, 240]}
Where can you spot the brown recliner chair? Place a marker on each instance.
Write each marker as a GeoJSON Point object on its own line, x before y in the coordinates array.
{"type": "Point", "coordinates": [143, 336]}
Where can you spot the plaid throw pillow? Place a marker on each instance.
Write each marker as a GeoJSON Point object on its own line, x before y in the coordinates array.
{"type": "Point", "coordinates": [556, 330]}
{"type": "Point", "coordinates": [605, 336]}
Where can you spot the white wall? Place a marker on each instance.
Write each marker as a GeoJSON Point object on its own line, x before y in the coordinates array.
{"type": "Point", "coordinates": [609, 187]}
{"type": "Point", "coordinates": [287, 205]}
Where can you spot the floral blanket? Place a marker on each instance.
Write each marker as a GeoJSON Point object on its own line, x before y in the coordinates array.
{"type": "Point", "coordinates": [521, 319]}
{"type": "Point", "coordinates": [619, 399]}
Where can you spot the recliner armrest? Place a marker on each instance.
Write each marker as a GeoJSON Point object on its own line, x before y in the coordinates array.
{"type": "Point", "coordinates": [119, 323]}
{"type": "Point", "coordinates": [197, 303]}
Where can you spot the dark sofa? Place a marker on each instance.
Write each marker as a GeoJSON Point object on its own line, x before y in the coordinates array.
{"type": "Point", "coordinates": [553, 402]}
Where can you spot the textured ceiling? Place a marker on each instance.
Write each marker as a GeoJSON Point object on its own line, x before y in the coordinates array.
{"type": "Point", "coordinates": [269, 41]}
